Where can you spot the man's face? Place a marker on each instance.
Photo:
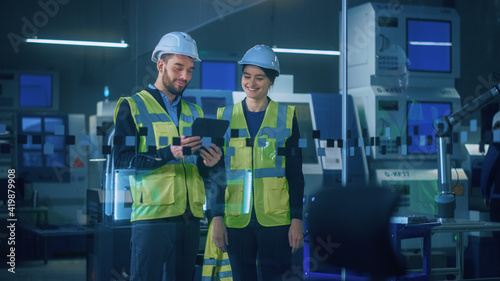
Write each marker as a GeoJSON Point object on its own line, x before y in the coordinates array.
{"type": "Point", "coordinates": [176, 71]}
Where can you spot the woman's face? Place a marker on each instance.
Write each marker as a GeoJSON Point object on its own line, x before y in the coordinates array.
{"type": "Point", "coordinates": [255, 82]}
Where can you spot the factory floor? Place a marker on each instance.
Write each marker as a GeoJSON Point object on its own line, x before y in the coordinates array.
{"type": "Point", "coordinates": [73, 269]}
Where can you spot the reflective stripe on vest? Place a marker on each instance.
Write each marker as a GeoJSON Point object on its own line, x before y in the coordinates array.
{"type": "Point", "coordinates": [262, 162]}
{"type": "Point", "coordinates": [161, 193]}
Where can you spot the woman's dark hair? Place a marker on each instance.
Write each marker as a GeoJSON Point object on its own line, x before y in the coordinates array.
{"type": "Point", "coordinates": [271, 74]}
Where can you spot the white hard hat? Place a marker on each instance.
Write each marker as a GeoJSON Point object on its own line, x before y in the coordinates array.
{"type": "Point", "coordinates": [496, 119]}
{"type": "Point", "coordinates": [263, 56]}
{"type": "Point", "coordinates": [176, 43]}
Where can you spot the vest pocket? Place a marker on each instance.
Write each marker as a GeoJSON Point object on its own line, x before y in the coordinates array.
{"type": "Point", "coordinates": [234, 199]}
{"type": "Point", "coordinates": [196, 183]}
{"type": "Point", "coordinates": [154, 189]}
{"type": "Point", "coordinates": [275, 196]}
{"type": "Point", "coordinates": [266, 155]}
{"type": "Point", "coordinates": [242, 158]}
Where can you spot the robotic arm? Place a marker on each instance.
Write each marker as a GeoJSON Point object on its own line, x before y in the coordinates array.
{"type": "Point", "coordinates": [444, 127]}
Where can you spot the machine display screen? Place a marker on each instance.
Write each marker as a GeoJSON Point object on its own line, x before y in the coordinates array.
{"type": "Point", "coordinates": [429, 45]}
{"type": "Point", "coordinates": [218, 75]}
{"type": "Point", "coordinates": [35, 90]}
{"type": "Point", "coordinates": [420, 127]}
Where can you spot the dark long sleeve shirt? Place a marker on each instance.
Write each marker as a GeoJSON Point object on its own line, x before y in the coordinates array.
{"type": "Point", "coordinates": [293, 171]}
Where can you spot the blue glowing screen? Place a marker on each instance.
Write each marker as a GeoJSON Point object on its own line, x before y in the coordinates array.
{"type": "Point", "coordinates": [429, 45]}
{"type": "Point", "coordinates": [218, 75]}
{"type": "Point", "coordinates": [35, 90]}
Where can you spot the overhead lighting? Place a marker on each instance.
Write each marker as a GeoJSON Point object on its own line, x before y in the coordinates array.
{"type": "Point", "coordinates": [307, 52]}
{"type": "Point", "coordinates": [77, 43]}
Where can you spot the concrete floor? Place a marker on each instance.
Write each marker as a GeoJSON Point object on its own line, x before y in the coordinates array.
{"type": "Point", "coordinates": [73, 269]}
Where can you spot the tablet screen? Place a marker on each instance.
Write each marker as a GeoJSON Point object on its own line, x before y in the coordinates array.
{"type": "Point", "coordinates": [207, 127]}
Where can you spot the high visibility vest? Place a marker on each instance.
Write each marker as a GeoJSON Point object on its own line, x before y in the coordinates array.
{"type": "Point", "coordinates": [216, 266]}
{"type": "Point", "coordinates": [163, 192]}
{"type": "Point", "coordinates": [255, 168]}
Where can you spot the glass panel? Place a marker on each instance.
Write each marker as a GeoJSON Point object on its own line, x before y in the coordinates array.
{"type": "Point", "coordinates": [31, 124]}
{"type": "Point", "coordinates": [32, 159]}
{"type": "Point", "coordinates": [56, 159]}
{"type": "Point", "coordinates": [56, 141]}
{"type": "Point", "coordinates": [53, 124]}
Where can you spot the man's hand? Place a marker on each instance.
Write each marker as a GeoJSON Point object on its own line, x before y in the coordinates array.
{"type": "Point", "coordinates": [211, 155]}
{"type": "Point", "coordinates": [193, 142]}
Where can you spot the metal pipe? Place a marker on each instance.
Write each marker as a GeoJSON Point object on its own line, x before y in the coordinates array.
{"type": "Point", "coordinates": [444, 173]}
{"type": "Point", "coordinates": [445, 198]}
{"type": "Point", "coordinates": [108, 176]}
{"type": "Point", "coordinates": [344, 92]}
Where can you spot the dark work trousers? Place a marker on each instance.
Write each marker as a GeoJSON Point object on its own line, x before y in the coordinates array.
{"type": "Point", "coordinates": [164, 249]}
{"type": "Point", "coordinates": [265, 247]}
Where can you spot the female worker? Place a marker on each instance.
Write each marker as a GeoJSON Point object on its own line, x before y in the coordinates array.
{"type": "Point", "coordinates": [258, 214]}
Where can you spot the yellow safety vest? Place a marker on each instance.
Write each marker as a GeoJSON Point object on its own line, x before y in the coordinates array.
{"type": "Point", "coordinates": [255, 169]}
{"type": "Point", "coordinates": [163, 192]}
{"type": "Point", "coordinates": [216, 266]}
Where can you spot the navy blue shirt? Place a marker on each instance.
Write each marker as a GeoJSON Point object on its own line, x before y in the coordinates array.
{"type": "Point", "coordinates": [254, 120]}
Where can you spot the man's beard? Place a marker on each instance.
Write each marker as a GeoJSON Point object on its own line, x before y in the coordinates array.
{"type": "Point", "coordinates": [171, 87]}
{"type": "Point", "coordinates": [174, 91]}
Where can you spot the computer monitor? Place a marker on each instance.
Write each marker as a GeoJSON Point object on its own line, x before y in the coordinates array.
{"type": "Point", "coordinates": [420, 125]}
{"type": "Point", "coordinates": [29, 90]}
{"type": "Point", "coordinates": [218, 75]}
{"type": "Point", "coordinates": [428, 36]}
{"type": "Point", "coordinates": [429, 45]}
{"type": "Point", "coordinates": [35, 90]}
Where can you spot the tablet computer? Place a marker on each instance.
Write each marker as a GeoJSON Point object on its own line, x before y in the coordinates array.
{"type": "Point", "coordinates": [207, 127]}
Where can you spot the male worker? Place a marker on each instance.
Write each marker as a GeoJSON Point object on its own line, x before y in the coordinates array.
{"type": "Point", "coordinates": [167, 187]}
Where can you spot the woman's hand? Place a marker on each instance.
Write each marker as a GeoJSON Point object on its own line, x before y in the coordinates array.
{"type": "Point", "coordinates": [219, 233]}
{"type": "Point", "coordinates": [296, 235]}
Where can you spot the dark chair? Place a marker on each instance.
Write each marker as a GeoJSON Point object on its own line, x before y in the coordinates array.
{"type": "Point", "coordinates": [354, 223]}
